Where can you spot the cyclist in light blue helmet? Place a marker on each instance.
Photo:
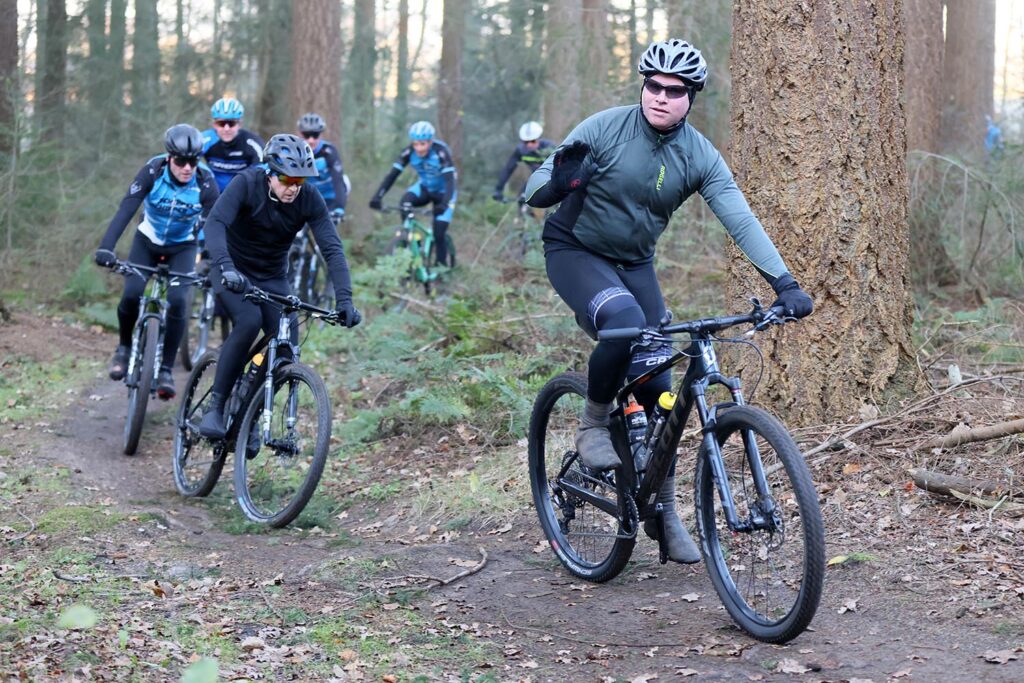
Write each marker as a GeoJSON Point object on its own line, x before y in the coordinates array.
{"type": "Point", "coordinates": [432, 160]}
{"type": "Point", "coordinates": [228, 148]}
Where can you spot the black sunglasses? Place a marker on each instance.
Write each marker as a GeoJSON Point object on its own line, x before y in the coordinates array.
{"type": "Point", "coordinates": [672, 92]}
{"type": "Point", "coordinates": [312, 134]}
{"type": "Point", "coordinates": [185, 161]}
{"type": "Point", "coordinates": [226, 123]}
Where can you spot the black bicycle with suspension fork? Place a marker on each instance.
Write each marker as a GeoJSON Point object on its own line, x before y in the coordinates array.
{"type": "Point", "coordinates": [147, 340]}
{"type": "Point", "coordinates": [278, 423]}
{"type": "Point", "coordinates": [759, 523]}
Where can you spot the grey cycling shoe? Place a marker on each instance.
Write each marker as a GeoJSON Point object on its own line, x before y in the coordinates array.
{"type": "Point", "coordinates": [165, 384]}
{"type": "Point", "coordinates": [593, 440]}
{"type": "Point", "coordinates": [118, 363]}
{"type": "Point", "coordinates": [681, 547]}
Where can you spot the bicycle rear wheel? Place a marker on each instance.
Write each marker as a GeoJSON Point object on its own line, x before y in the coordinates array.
{"type": "Point", "coordinates": [770, 580]}
{"type": "Point", "coordinates": [275, 479]}
{"type": "Point", "coordinates": [140, 384]}
{"type": "Point", "coordinates": [197, 461]}
{"type": "Point", "coordinates": [591, 543]}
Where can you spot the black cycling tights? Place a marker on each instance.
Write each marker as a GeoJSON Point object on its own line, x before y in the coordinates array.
{"type": "Point", "coordinates": [442, 219]}
{"type": "Point", "coordinates": [182, 259]}
{"type": "Point", "coordinates": [247, 319]}
{"type": "Point", "coordinates": [605, 295]}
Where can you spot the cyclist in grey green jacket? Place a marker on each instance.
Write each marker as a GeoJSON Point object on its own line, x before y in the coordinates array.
{"type": "Point", "coordinates": [619, 175]}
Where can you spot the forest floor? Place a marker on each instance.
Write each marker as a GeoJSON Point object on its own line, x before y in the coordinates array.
{"type": "Point", "coordinates": [106, 573]}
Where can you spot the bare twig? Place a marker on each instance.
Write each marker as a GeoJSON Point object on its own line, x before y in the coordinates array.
{"type": "Point", "coordinates": [961, 435]}
{"type": "Point", "coordinates": [1012, 509]}
{"type": "Point", "coordinates": [28, 533]}
{"type": "Point", "coordinates": [945, 484]}
{"type": "Point", "coordinates": [392, 582]}
{"type": "Point", "coordinates": [72, 579]}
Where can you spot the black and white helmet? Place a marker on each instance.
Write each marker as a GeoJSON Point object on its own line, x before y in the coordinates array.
{"type": "Point", "coordinates": [310, 123]}
{"type": "Point", "coordinates": [183, 140]}
{"type": "Point", "coordinates": [675, 57]}
{"type": "Point", "coordinates": [289, 155]}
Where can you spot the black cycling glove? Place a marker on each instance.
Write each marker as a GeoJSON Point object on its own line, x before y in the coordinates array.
{"type": "Point", "coordinates": [105, 258]}
{"type": "Point", "coordinates": [567, 173]}
{"type": "Point", "coordinates": [348, 314]}
{"type": "Point", "coordinates": [234, 281]}
{"type": "Point", "coordinates": [796, 302]}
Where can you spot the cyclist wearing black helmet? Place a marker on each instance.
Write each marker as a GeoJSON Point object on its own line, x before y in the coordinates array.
{"type": "Point", "coordinates": [248, 235]}
{"type": "Point", "coordinates": [330, 180]}
{"type": "Point", "coordinates": [619, 177]}
{"type": "Point", "coordinates": [175, 193]}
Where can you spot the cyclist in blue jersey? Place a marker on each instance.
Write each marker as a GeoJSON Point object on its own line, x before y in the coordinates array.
{"type": "Point", "coordinates": [532, 150]}
{"type": "Point", "coordinates": [228, 148]}
{"type": "Point", "coordinates": [330, 180]}
{"type": "Point", "coordinates": [175, 193]}
{"type": "Point", "coordinates": [432, 160]}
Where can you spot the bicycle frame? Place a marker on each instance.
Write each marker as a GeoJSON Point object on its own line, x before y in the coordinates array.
{"type": "Point", "coordinates": [152, 304]}
{"type": "Point", "coordinates": [419, 240]}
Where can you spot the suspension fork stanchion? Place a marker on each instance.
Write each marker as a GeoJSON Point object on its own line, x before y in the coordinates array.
{"type": "Point", "coordinates": [268, 388]}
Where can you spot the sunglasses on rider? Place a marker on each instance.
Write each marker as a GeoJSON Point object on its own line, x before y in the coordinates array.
{"type": "Point", "coordinates": [672, 92]}
{"type": "Point", "coordinates": [185, 161]}
{"type": "Point", "coordinates": [226, 124]}
{"type": "Point", "coordinates": [312, 134]}
{"type": "Point", "coordinates": [289, 181]}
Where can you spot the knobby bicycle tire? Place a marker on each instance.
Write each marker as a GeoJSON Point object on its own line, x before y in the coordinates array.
{"type": "Point", "coordinates": [188, 445]}
{"type": "Point", "coordinates": [248, 458]}
{"type": "Point", "coordinates": [773, 611]}
{"type": "Point", "coordinates": [569, 523]}
{"type": "Point", "coordinates": [138, 395]}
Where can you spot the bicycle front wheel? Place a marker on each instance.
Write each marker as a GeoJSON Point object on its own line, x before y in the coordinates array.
{"type": "Point", "coordinates": [770, 578]}
{"type": "Point", "coordinates": [140, 384]}
{"type": "Point", "coordinates": [591, 542]}
{"type": "Point", "coordinates": [197, 461]}
{"type": "Point", "coordinates": [276, 477]}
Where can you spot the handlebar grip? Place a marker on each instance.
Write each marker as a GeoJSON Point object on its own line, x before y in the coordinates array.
{"type": "Point", "coordinates": [620, 333]}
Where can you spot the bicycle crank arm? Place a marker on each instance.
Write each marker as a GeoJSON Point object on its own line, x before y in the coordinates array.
{"type": "Point", "coordinates": [604, 504]}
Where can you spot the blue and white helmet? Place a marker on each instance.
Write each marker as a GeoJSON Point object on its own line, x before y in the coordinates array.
{"type": "Point", "coordinates": [421, 130]}
{"type": "Point", "coordinates": [227, 109]}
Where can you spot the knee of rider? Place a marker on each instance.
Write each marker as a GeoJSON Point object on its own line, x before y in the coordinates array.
{"type": "Point", "coordinates": [247, 325]}
{"type": "Point", "coordinates": [178, 305]}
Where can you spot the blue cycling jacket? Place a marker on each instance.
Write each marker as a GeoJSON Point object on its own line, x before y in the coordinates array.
{"type": "Point", "coordinates": [171, 210]}
{"type": "Point", "coordinates": [436, 170]}
{"type": "Point", "coordinates": [228, 159]}
{"type": "Point", "coordinates": [330, 175]}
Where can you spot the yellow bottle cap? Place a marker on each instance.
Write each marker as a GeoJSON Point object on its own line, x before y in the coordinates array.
{"type": "Point", "coordinates": [257, 360]}
{"type": "Point", "coordinates": [667, 400]}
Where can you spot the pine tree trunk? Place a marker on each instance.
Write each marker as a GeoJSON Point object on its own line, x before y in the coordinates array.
{"type": "Point", "coordinates": [969, 70]}
{"type": "Point", "coordinates": [562, 86]}
{"type": "Point", "coordinates": [821, 158]}
{"type": "Point", "coordinates": [8, 78]}
{"type": "Point", "coordinates": [359, 113]}
{"type": "Point", "coordinates": [273, 113]}
{"type": "Point", "coordinates": [402, 67]}
{"type": "Point", "coordinates": [145, 61]}
{"type": "Point", "coordinates": [95, 62]}
{"type": "Point", "coordinates": [316, 61]}
{"type": "Point", "coordinates": [115, 82]}
{"type": "Point", "coordinates": [449, 86]}
{"type": "Point", "coordinates": [596, 50]}
{"type": "Point", "coordinates": [54, 71]}
{"type": "Point", "coordinates": [180, 75]}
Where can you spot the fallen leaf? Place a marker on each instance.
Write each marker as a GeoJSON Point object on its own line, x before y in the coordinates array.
{"type": "Point", "coordinates": [690, 597]}
{"type": "Point", "coordinates": [791, 666]}
{"type": "Point", "coordinates": [849, 605]}
{"type": "Point", "coordinates": [901, 673]}
{"type": "Point", "coordinates": [999, 656]}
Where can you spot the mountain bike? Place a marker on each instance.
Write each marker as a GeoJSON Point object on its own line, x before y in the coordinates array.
{"type": "Point", "coordinates": [527, 224]}
{"type": "Point", "coordinates": [203, 317]}
{"type": "Point", "coordinates": [417, 240]}
{"type": "Point", "coordinates": [147, 340]}
{"type": "Point", "coordinates": [278, 424]}
{"type": "Point", "coordinates": [757, 514]}
{"type": "Point", "coordinates": [307, 270]}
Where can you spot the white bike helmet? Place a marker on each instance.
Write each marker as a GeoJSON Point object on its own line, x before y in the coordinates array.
{"type": "Point", "coordinates": [531, 130]}
{"type": "Point", "coordinates": [675, 58]}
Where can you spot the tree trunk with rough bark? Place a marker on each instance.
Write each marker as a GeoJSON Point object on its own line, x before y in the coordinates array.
{"type": "Point", "coordinates": [596, 51]}
{"type": "Point", "coordinates": [821, 159]}
{"type": "Point", "coordinates": [53, 65]}
{"type": "Point", "coordinates": [145, 61]}
{"type": "Point", "coordinates": [402, 67]}
{"type": "Point", "coordinates": [316, 62]}
{"type": "Point", "coordinates": [8, 77]}
{"type": "Point", "coordinates": [449, 85]}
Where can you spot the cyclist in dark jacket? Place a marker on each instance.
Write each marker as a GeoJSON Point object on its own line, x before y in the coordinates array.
{"type": "Point", "coordinates": [175, 193]}
{"type": "Point", "coordinates": [432, 160]}
{"type": "Point", "coordinates": [248, 235]}
{"type": "Point", "coordinates": [619, 177]}
{"type": "Point", "coordinates": [330, 180]}
{"type": "Point", "coordinates": [228, 148]}
{"type": "Point", "coordinates": [532, 150]}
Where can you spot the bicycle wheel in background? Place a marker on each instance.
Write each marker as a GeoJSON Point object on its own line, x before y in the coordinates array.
{"type": "Point", "coordinates": [140, 384]}
{"type": "Point", "coordinates": [590, 542]}
{"type": "Point", "coordinates": [275, 480]}
{"type": "Point", "coordinates": [197, 461]}
{"type": "Point", "coordinates": [770, 581]}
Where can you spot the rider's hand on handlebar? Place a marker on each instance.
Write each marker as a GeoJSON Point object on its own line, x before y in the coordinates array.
{"type": "Point", "coordinates": [796, 302]}
{"type": "Point", "coordinates": [338, 214]}
{"type": "Point", "coordinates": [498, 196]}
{"type": "Point", "coordinates": [234, 281]}
{"type": "Point", "coordinates": [376, 203]}
{"type": "Point", "coordinates": [348, 315]}
{"type": "Point", "coordinates": [105, 258]}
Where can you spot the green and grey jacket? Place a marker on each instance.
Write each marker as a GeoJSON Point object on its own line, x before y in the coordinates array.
{"type": "Point", "coordinates": [636, 176]}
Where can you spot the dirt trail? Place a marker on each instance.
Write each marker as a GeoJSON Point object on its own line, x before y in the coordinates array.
{"type": "Point", "coordinates": [544, 624]}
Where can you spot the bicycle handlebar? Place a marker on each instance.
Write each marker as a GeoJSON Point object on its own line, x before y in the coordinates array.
{"type": "Point", "coordinates": [404, 210]}
{"type": "Point", "coordinates": [760, 317]}
{"type": "Point", "coordinates": [292, 303]}
{"type": "Point", "coordinates": [127, 268]}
